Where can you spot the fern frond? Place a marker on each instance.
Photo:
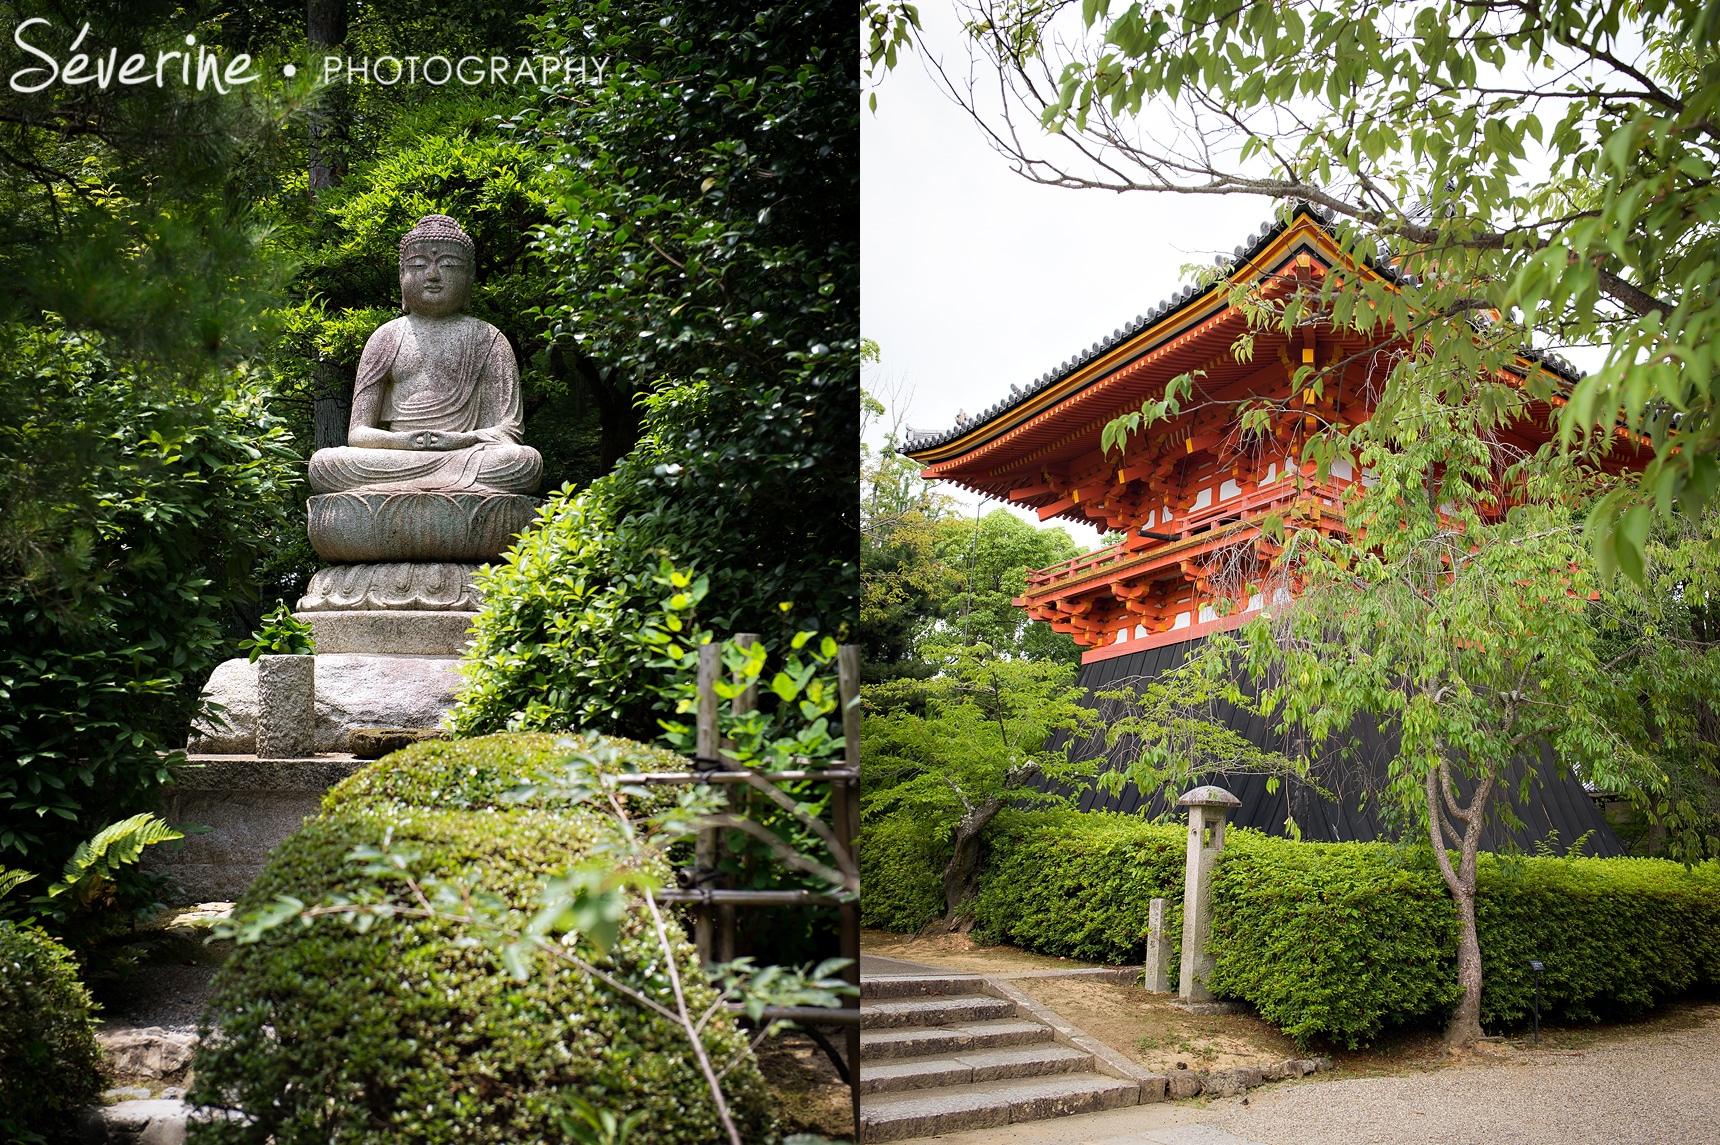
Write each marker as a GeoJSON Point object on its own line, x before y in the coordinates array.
{"type": "Point", "coordinates": [113, 847]}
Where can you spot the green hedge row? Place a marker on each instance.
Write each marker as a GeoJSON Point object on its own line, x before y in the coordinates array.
{"type": "Point", "coordinates": [1338, 941]}
{"type": "Point", "coordinates": [901, 869]}
{"type": "Point", "coordinates": [404, 1032]}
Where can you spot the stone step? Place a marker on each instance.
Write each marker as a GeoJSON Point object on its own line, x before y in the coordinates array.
{"type": "Point", "coordinates": [917, 1041]}
{"type": "Point", "coordinates": [892, 1075]}
{"type": "Point", "coordinates": [933, 1010]}
{"type": "Point", "coordinates": [990, 1104]}
{"type": "Point", "coordinates": [904, 987]}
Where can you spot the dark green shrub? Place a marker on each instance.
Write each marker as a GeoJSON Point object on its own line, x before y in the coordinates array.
{"type": "Point", "coordinates": [49, 1061]}
{"type": "Point", "coordinates": [1077, 885]}
{"type": "Point", "coordinates": [131, 515]}
{"type": "Point", "coordinates": [901, 868]}
{"type": "Point", "coordinates": [717, 327]}
{"type": "Point", "coordinates": [402, 1033]}
{"type": "Point", "coordinates": [474, 774]}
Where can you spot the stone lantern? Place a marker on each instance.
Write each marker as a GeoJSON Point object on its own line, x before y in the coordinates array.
{"type": "Point", "coordinates": [1208, 808]}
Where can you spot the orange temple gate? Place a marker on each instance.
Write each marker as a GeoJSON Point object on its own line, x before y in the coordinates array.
{"type": "Point", "coordinates": [1191, 495]}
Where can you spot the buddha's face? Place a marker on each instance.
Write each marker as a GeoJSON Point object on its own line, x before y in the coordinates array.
{"type": "Point", "coordinates": [435, 278]}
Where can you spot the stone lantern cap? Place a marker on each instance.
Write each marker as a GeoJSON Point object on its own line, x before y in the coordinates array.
{"type": "Point", "coordinates": [1209, 797]}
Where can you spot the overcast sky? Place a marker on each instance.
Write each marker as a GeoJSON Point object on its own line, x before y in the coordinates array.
{"type": "Point", "coordinates": [973, 279]}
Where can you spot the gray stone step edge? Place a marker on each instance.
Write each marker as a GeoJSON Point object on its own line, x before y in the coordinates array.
{"type": "Point", "coordinates": [1106, 1060]}
{"type": "Point", "coordinates": [894, 987]}
{"type": "Point", "coordinates": [931, 1010]}
{"type": "Point", "coordinates": [899, 987]}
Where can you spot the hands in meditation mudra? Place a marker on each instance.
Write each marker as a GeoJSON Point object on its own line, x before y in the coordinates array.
{"type": "Point", "coordinates": [433, 468]}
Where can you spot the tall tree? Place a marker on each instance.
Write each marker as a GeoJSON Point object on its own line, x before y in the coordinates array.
{"type": "Point", "coordinates": [1455, 614]}
{"type": "Point", "coordinates": [325, 28]}
{"type": "Point", "coordinates": [1661, 646]}
{"type": "Point", "coordinates": [973, 743]}
{"type": "Point", "coordinates": [1549, 165]}
{"type": "Point", "coordinates": [707, 281]}
{"type": "Point", "coordinates": [932, 574]}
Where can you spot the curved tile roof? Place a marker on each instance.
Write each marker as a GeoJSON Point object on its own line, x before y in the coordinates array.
{"type": "Point", "coordinates": [1256, 243]}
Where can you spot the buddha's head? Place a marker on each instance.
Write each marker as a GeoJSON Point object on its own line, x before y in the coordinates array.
{"type": "Point", "coordinates": [436, 263]}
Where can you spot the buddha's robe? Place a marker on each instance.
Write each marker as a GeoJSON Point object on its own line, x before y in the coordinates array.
{"type": "Point", "coordinates": [450, 374]}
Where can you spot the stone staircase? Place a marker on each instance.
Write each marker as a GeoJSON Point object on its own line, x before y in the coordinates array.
{"type": "Point", "coordinates": [941, 1054]}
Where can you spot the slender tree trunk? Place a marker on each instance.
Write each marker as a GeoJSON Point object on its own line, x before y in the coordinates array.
{"type": "Point", "coordinates": [325, 28]}
{"type": "Point", "coordinates": [1464, 1029]}
{"type": "Point", "coordinates": [959, 873]}
{"type": "Point", "coordinates": [331, 395]}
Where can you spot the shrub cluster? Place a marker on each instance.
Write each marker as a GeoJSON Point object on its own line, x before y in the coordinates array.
{"type": "Point", "coordinates": [1336, 941]}
{"type": "Point", "coordinates": [1077, 885]}
{"type": "Point", "coordinates": [403, 1032]}
{"type": "Point", "coordinates": [131, 515]}
{"type": "Point", "coordinates": [717, 329]}
{"type": "Point", "coordinates": [49, 1061]}
{"type": "Point", "coordinates": [476, 774]}
{"type": "Point", "coordinates": [901, 865]}
{"type": "Point", "coordinates": [1342, 940]}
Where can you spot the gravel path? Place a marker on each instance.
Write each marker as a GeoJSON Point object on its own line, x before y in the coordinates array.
{"type": "Point", "coordinates": [170, 996]}
{"type": "Point", "coordinates": [1661, 1088]}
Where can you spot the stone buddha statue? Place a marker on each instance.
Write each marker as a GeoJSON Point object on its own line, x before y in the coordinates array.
{"type": "Point", "coordinates": [433, 482]}
{"type": "Point", "coordinates": [436, 406]}
{"type": "Point", "coordinates": [433, 469]}
{"type": "Point", "coordinates": [434, 479]}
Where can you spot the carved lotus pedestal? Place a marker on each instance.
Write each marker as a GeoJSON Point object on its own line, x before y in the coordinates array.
{"type": "Point", "coordinates": [399, 608]}
{"type": "Point", "coordinates": [368, 526]}
{"type": "Point", "coordinates": [403, 586]}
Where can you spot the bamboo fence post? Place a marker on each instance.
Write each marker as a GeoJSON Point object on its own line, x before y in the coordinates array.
{"type": "Point", "coordinates": [706, 758]}
{"type": "Point", "coordinates": [845, 804]}
{"type": "Point", "coordinates": [742, 705]}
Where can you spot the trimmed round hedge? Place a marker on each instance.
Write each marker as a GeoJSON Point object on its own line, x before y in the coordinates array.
{"type": "Point", "coordinates": [50, 1065]}
{"type": "Point", "coordinates": [475, 774]}
{"type": "Point", "coordinates": [404, 1033]}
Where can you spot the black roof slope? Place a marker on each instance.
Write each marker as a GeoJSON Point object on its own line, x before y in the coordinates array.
{"type": "Point", "coordinates": [1254, 246]}
{"type": "Point", "coordinates": [1557, 802]}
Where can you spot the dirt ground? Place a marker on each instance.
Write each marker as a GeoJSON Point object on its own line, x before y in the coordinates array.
{"type": "Point", "coordinates": [1157, 1034]}
{"type": "Point", "coordinates": [960, 952]}
{"type": "Point", "coordinates": [811, 1097]}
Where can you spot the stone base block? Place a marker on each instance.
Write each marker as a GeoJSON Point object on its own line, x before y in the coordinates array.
{"type": "Point", "coordinates": [249, 805]}
{"type": "Point", "coordinates": [149, 1055]}
{"type": "Point", "coordinates": [352, 691]}
{"type": "Point", "coordinates": [411, 586]}
{"type": "Point", "coordinates": [389, 632]}
{"type": "Point", "coordinates": [286, 706]}
{"type": "Point", "coordinates": [367, 527]}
